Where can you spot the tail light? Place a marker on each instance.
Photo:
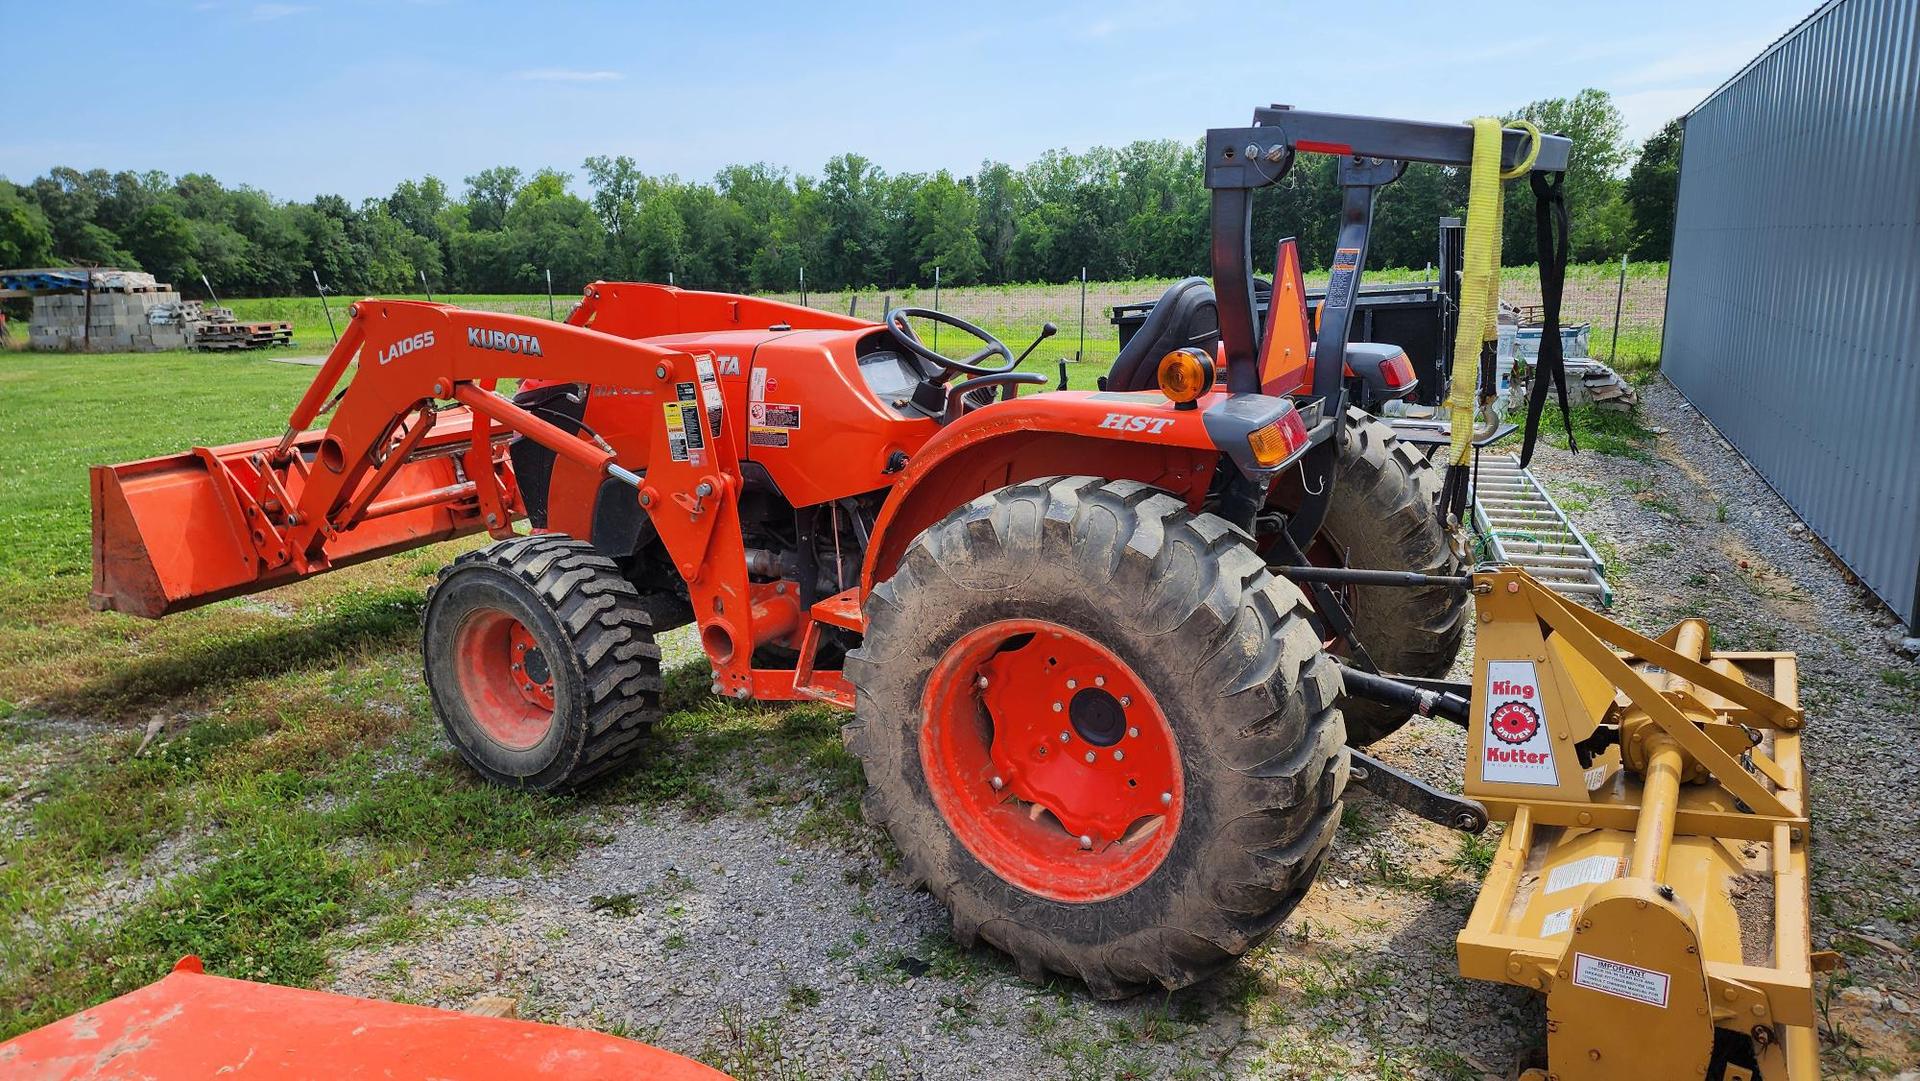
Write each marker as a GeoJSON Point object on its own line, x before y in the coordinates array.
{"type": "Point", "coordinates": [1278, 441]}
{"type": "Point", "coordinates": [1397, 372]}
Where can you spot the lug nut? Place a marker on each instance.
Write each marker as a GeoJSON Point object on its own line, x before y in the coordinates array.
{"type": "Point", "coordinates": [1071, 684]}
{"type": "Point", "coordinates": [1056, 707]}
{"type": "Point", "coordinates": [1119, 756]}
{"type": "Point", "coordinates": [1099, 681]}
{"type": "Point", "coordinates": [981, 682]}
{"type": "Point", "coordinates": [1125, 701]}
{"type": "Point", "coordinates": [1086, 841]}
{"type": "Point", "coordinates": [1133, 733]}
{"type": "Point", "coordinates": [997, 784]}
{"type": "Point", "coordinates": [1064, 737]}
{"type": "Point", "coordinates": [1166, 799]}
{"type": "Point", "coordinates": [1089, 757]}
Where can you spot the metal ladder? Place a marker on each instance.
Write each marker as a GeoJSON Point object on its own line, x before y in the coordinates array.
{"type": "Point", "coordinates": [1522, 525]}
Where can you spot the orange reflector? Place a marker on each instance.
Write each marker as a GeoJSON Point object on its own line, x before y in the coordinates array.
{"type": "Point", "coordinates": [1277, 441]}
{"type": "Point", "coordinates": [1185, 374]}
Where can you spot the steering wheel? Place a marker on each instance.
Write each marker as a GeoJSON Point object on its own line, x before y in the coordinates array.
{"type": "Point", "coordinates": [949, 367]}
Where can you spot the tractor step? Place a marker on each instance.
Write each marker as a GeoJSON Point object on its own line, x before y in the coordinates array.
{"type": "Point", "coordinates": [1522, 525]}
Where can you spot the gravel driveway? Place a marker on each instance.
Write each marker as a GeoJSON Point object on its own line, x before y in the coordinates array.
{"type": "Point", "coordinates": [724, 938]}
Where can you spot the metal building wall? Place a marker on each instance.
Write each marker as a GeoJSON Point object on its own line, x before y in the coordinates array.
{"type": "Point", "coordinates": [1793, 308]}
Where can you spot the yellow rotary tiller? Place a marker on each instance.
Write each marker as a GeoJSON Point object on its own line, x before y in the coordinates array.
{"type": "Point", "coordinates": [1652, 880]}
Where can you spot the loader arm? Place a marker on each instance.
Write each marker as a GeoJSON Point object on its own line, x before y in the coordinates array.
{"type": "Point", "coordinates": [413, 453]}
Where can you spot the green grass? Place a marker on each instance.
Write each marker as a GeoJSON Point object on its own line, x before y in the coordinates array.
{"type": "Point", "coordinates": [1602, 431]}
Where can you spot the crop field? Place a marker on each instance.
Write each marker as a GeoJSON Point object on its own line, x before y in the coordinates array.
{"type": "Point", "coordinates": [261, 782]}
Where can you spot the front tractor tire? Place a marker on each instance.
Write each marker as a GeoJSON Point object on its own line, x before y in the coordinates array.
{"type": "Point", "coordinates": [540, 661]}
{"type": "Point", "coordinates": [1383, 516]}
{"type": "Point", "coordinates": [1100, 731]}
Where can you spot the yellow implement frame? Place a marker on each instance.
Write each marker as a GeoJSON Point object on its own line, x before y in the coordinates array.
{"type": "Point", "coordinates": [1652, 880]}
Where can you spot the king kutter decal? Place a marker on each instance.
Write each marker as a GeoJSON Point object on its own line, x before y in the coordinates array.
{"type": "Point", "coordinates": [1515, 748]}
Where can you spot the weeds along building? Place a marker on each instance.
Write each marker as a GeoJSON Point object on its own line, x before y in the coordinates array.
{"type": "Point", "coordinates": [1793, 309]}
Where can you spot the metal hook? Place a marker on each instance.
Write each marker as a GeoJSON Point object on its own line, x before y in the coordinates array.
{"type": "Point", "coordinates": [1303, 482]}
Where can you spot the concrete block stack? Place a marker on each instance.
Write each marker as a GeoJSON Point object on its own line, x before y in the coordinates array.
{"type": "Point", "coordinates": [128, 317]}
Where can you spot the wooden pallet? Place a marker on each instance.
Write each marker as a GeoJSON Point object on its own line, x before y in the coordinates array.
{"type": "Point", "coordinates": [242, 335]}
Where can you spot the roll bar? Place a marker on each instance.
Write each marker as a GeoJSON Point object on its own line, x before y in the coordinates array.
{"type": "Point", "coordinates": [1373, 153]}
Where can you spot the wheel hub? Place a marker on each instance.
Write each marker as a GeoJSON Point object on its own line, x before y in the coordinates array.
{"type": "Point", "coordinates": [505, 678]}
{"type": "Point", "coordinates": [1051, 760]}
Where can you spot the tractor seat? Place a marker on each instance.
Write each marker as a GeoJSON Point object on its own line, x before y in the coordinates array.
{"type": "Point", "coordinates": [1186, 314]}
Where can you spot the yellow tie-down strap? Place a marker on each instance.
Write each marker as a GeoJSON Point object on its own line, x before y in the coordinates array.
{"type": "Point", "coordinates": [1480, 274]}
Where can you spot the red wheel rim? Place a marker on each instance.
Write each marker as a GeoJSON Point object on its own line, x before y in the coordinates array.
{"type": "Point", "coordinates": [1051, 761]}
{"type": "Point", "coordinates": [504, 678]}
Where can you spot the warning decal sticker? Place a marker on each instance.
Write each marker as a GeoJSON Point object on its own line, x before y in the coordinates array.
{"type": "Point", "coordinates": [709, 393]}
{"type": "Point", "coordinates": [676, 432]}
{"type": "Point", "coordinates": [1620, 980]}
{"type": "Point", "coordinates": [1587, 872]}
{"type": "Point", "coordinates": [762, 436]}
{"type": "Point", "coordinates": [1556, 923]}
{"type": "Point", "coordinates": [684, 413]}
{"type": "Point", "coordinates": [1340, 283]}
{"type": "Point", "coordinates": [757, 386]}
{"type": "Point", "coordinates": [1515, 746]}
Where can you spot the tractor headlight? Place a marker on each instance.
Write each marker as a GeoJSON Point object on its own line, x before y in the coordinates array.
{"type": "Point", "coordinates": [1185, 374]}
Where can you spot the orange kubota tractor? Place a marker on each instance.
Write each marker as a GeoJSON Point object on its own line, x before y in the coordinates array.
{"type": "Point", "coordinates": [1093, 720]}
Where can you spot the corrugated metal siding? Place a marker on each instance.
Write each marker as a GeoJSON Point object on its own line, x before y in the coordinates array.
{"type": "Point", "coordinates": [1793, 309]}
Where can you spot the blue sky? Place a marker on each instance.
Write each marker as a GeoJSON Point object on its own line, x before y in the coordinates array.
{"type": "Point", "coordinates": [352, 96]}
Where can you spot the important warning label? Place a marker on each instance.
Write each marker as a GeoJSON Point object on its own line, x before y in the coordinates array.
{"type": "Point", "coordinates": [1515, 747]}
{"type": "Point", "coordinates": [1620, 980]}
{"type": "Point", "coordinates": [762, 436]}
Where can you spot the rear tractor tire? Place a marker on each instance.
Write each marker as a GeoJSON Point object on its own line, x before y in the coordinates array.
{"type": "Point", "coordinates": [1383, 517]}
{"type": "Point", "coordinates": [1100, 731]}
{"type": "Point", "coordinates": [540, 661]}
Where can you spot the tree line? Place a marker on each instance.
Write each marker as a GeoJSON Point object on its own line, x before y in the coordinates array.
{"type": "Point", "coordinates": [1137, 211]}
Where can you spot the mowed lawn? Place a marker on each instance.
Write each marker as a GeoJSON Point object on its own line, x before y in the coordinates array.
{"type": "Point", "coordinates": [293, 792]}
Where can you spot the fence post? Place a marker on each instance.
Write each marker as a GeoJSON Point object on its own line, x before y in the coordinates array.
{"type": "Point", "coordinates": [321, 289]}
{"type": "Point", "coordinates": [1080, 354]}
{"type": "Point", "coordinates": [550, 314]}
{"type": "Point", "coordinates": [936, 307]}
{"type": "Point", "coordinates": [853, 301]}
{"type": "Point", "coordinates": [803, 287]}
{"type": "Point", "coordinates": [1619, 298]}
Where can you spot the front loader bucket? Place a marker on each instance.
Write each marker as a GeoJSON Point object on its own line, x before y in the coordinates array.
{"type": "Point", "coordinates": [183, 530]}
